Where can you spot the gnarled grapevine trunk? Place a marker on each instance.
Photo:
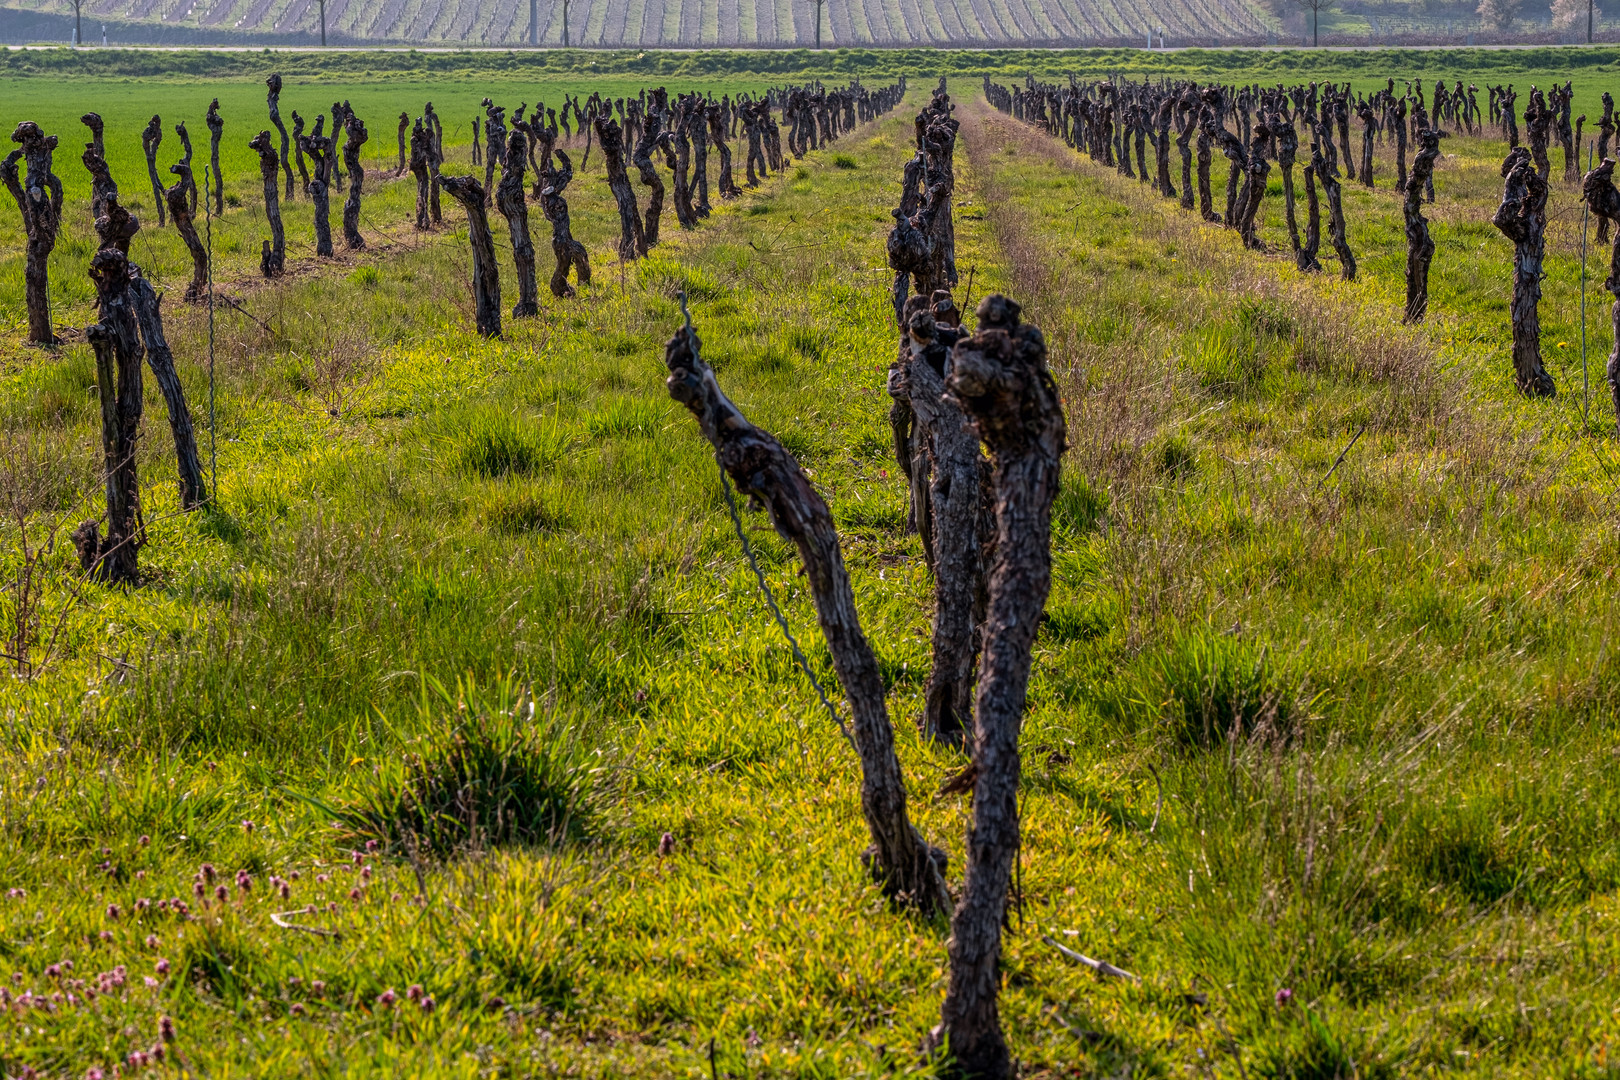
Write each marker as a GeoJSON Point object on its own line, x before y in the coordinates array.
{"type": "Point", "coordinates": [1327, 172]}
{"type": "Point", "coordinates": [908, 869]}
{"type": "Point", "coordinates": [1522, 218]}
{"type": "Point", "coordinates": [404, 126]}
{"type": "Point", "coordinates": [435, 160]}
{"type": "Point", "coordinates": [651, 138]}
{"type": "Point", "coordinates": [1287, 151]}
{"type": "Point", "coordinates": [632, 240]}
{"type": "Point", "coordinates": [567, 251]}
{"type": "Point", "coordinates": [273, 258]}
{"type": "Point", "coordinates": [1419, 245]}
{"type": "Point", "coordinates": [1185, 126]}
{"type": "Point", "coordinates": [717, 135]}
{"type": "Point", "coordinates": [151, 138]}
{"type": "Point", "coordinates": [356, 138]}
{"type": "Point", "coordinates": [298, 152]}
{"type": "Point", "coordinates": [216, 131]}
{"type": "Point", "coordinates": [274, 101]}
{"type": "Point", "coordinates": [39, 199]}
{"type": "Point", "coordinates": [1305, 258]}
{"type": "Point", "coordinates": [1000, 379]}
{"type": "Point", "coordinates": [116, 344]}
{"type": "Point", "coordinates": [183, 224]}
{"type": "Point", "coordinates": [697, 130]}
{"type": "Point", "coordinates": [421, 151]}
{"type": "Point", "coordinates": [1206, 201]}
{"type": "Point", "coordinates": [486, 275]}
{"type": "Point", "coordinates": [678, 152]}
{"type": "Point", "coordinates": [160, 358]}
{"type": "Point", "coordinates": [510, 200]}
{"type": "Point", "coordinates": [956, 500]}
{"type": "Point", "coordinates": [1604, 201]}
{"type": "Point", "coordinates": [319, 149]}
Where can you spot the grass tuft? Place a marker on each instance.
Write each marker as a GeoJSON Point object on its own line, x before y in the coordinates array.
{"type": "Point", "coordinates": [502, 771]}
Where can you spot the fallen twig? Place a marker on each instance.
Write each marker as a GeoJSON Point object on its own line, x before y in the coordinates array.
{"type": "Point", "coordinates": [279, 918]}
{"type": "Point", "coordinates": [1101, 967]}
{"type": "Point", "coordinates": [1340, 459]}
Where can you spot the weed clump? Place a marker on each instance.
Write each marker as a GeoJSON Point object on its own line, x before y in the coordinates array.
{"type": "Point", "coordinates": [505, 772]}
{"type": "Point", "coordinates": [844, 161]}
{"type": "Point", "coordinates": [497, 444]}
{"type": "Point", "coordinates": [1211, 688]}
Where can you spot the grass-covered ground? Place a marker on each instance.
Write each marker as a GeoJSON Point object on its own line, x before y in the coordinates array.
{"type": "Point", "coordinates": [1347, 737]}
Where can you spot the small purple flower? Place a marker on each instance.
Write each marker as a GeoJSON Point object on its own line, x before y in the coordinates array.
{"type": "Point", "coordinates": [166, 1029]}
{"type": "Point", "coordinates": [113, 912]}
{"type": "Point", "coordinates": [208, 871]}
{"type": "Point", "coordinates": [386, 999]}
{"type": "Point", "coordinates": [221, 893]}
{"type": "Point", "coordinates": [413, 992]}
{"type": "Point", "coordinates": [427, 1004]}
{"type": "Point", "coordinates": [146, 841]}
{"type": "Point", "coordinates": [247, 826]}
{"type": "Point", "coordinates": [161, 967]}
{"type": "Point", "coordinates": [371, 845]}
{"type": "Point", "coordinates": [151, 941]}
{"type": "Point", "coordinates": [1285, 997]}
{"type": "Point", "coordinates": [666, 845]}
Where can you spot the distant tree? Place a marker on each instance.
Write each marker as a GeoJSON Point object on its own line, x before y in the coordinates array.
{"type": "Point", "coordinates": [1499, 14]}
{"type": "Point", "coordinates": [1567, 14]}
{"type": "Point", "coordinates": [1316, 7]}
{"type": "Point", "coordinates": [819, 4]}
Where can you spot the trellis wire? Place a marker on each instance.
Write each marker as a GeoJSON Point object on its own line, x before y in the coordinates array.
{"type": "Point", "coordinates": [759, 575]}
{"type": "Point", "coordinates": [776, 612]}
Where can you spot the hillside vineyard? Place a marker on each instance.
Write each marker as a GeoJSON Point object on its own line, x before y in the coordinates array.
{"type": "Point", "coordinates": [630, 24]}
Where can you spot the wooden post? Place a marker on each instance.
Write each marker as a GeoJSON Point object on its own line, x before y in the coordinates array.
{"type": "Point", "coordinates": [1000, 379]}
{"type": "Point", "coordinates": [909, 870]}
{"type": "Point", "coordinates": [1522, 218]}
{"type": "Point", "coordinates": [467, 191]}
{"type": "Point", "coordinates": [39, 199]}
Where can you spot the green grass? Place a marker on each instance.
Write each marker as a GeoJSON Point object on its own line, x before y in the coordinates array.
{"type": "Point", "coordinates": [480, 602]}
